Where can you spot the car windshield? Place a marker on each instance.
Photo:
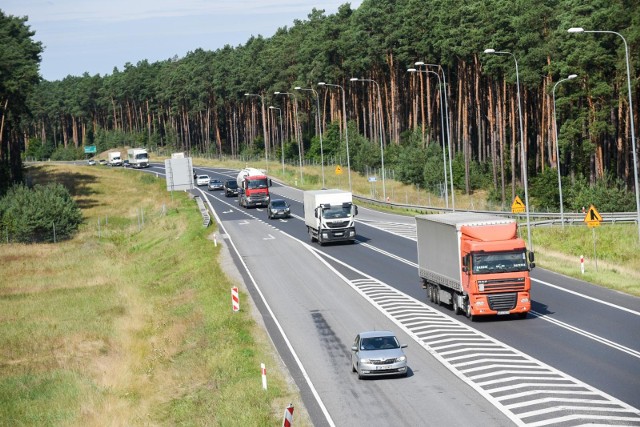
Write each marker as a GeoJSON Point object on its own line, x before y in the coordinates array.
{"type": "Point", "coordinates": [336, 211]}
{"type": "Point", "coordinates": [215, 181]}
{"type": "Point", "coordinates": [379, 343]}
{"type": "Point", "coordinates": [279, 204]}
{"type": "Point", "coordinates": [499, 262]}
{"type": "Point", "coordinates": [232, 184]}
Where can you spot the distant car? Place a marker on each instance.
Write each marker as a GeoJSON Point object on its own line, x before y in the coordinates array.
{"type": "Point", "coordinates": [376, 353]}
{"type": "Point", "coordinates": [102, 162]}
{"type": "Point", "coordinates": [91, 162]}
{"type": "Point", "coordinates": [278, 208]}
{"type": "Point", "coordinates": [231, 188]}
{"type": "Point", "coordinates": [125, 163]}
{"type": "Point", "coordinates": [215, 184]}
{"type": "Point", "coordinates": [202, 180]}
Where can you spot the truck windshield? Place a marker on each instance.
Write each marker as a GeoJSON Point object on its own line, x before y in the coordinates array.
{"type": "Point", "coordinates": [141, 156]}
{"type": "Point", "coordinates": [338, 211]}
{"type": "Point", "coordinates": [257, 183]}
{"type": "Point", "coordinates": [499, 262]}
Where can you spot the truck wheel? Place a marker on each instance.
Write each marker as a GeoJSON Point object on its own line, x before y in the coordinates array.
{"type": "Point", "coordinates": [468, 312]}
{"type": "Point", "coordinates": [432, 293]}
{"type": "Point", "coordinates": [311, 235]}
{"type": "Point", "coordinates": [456, 305]}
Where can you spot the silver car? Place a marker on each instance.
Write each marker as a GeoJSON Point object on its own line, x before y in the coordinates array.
{"type": "Point", "coordinates": [376, 353]}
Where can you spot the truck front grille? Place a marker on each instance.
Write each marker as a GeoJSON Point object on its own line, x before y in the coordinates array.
{"type": "Point", "coordinates": [502, 302]}
{"type": "Point", "coordinates": [502, 285]}
{"type": "Point", "coordinates": [338, 224]}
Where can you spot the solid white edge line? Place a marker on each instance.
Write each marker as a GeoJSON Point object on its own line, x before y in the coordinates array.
{"type": "Point", "coordinates": [275, 320]}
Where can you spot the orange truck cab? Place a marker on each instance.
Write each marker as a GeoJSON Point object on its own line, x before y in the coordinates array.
{"type": "Point", "coordinates": [475, 262]}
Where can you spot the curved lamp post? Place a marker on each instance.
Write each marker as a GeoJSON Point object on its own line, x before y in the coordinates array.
{"type": "Point", "coordinates": [281, 141]}
{"type": "Point", "coordinates": [346, 131]}
{"type": "Point", "coordinates": [384, 188]}
{"type": "Point", "coordinates": [444, 156]}
{"type": "Point", "coordinates": [295, 112]}
{"type": "Point", "coordinates": [446, 115]}
{"type": "Point", "coordinates": [522, 149]}
{"type": "Point", "coordinates": [319, 126]}
{"type": "Point", "coordinates": [264, 127]}
{"type": "Point", "coordinates": [633, 132]}
{"type": "Point", "coordinates": [555, 125]}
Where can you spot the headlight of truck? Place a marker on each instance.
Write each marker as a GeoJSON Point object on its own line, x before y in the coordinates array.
{"type": "Point", "coordinates": [525, 300]}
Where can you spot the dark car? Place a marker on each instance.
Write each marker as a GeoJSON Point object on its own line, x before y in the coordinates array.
{"type": "Point", "coordinates": [215, 184]}
{"type": "Point", "coordinates": [278, 208]}
{"type": "Point", "coordinates": [230, 188]}
{"type": "Point", "coordinates": [126, 164]}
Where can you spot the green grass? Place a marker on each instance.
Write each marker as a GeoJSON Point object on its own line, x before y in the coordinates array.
{"type": "Point", "coordinates": [123, 326]}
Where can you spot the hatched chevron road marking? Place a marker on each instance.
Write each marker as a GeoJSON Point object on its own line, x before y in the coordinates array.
{"type": "Point", "coordinates": [530, 392]}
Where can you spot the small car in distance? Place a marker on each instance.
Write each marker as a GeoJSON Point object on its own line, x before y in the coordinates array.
{"type": "Point", "coordinates": [230, 188]}
{"type": "Point", "coordinates": [378, 353]}
{"type": "Point", "coordinates": [91, 162]}
{"type": "Point", "coordinates": [202, 180]}
{"type": "Point", "coordinates": [278, 208]}
{"type": "Point", "coordinates": [215, 184]}
{"type": "Point", "coordinates": [125, 163]}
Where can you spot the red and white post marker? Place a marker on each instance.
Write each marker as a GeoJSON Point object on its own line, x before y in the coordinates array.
{"type": "Point", "coordinates": [582, 264]}
{"type": "Point", "coordinates": [235, 299]}
{"type": "Point", "coordinates": [263, 370]}
{"type": "Point", "coordinates": [288, 416]}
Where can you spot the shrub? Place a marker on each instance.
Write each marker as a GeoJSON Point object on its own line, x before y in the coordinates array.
{"type": "Point", "coordinates": [39, 214]}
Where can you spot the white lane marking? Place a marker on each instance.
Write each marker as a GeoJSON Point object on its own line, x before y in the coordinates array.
{"type": "Point", "coordinates": [587, 334]}
{"type": "Point", "coordinates": [275, 320]}
{"type": "Point", "coordinates": [269, 238]}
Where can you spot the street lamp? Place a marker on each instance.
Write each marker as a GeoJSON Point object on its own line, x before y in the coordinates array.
{"type": "Point", "coordinates": [384, 188]}
{"type": "Point", "coordinates": [295, 112]}
{"type": "Point", "coordinates": [633, 132]}
{"type": "Point", "coordinates": [555, 125]}
{"type": "Point", "coordinates": [264, 127]}
{"type": "Point", "coordinates": [522, 149]}
{"type": "Point", "coordinates": [281, 141]}
{"type": "Point", "coordinates": [444, 157]}
{"type": "Point", "coordinates": [319, 126]}
{"type": "Point", "coordinates": [446, 115]}
{"type": "Point", "coordinates": [346, 125]}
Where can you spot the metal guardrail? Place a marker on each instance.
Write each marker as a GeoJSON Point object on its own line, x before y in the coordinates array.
{"type": "Point", "coordinates": [206, 218]}
{"type": "Point", "coordinates": [536, 218]}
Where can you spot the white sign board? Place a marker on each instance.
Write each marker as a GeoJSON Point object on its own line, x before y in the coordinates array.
{"type": "Point", "coordinates": [179, 174]}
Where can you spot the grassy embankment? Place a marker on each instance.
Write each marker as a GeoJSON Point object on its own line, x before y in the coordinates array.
{"type": "Point", "coordinates": [130, 324]}
{"type": "Point", "coordinates": [615, 263]}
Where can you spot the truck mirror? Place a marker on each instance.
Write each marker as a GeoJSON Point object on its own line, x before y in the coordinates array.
{"type": "Point", "coordinates": [464, 269]}
{"type": "Point", "coordinates": [355, 210]}
{"type": "Point", "coordinates": [531, 257]}
{"type": "Point", "coordinates": [532, 265]}
{"type": "Point", "coordinates": [315, 213]}
{"type": "Point", "coordinates": [269, 183]}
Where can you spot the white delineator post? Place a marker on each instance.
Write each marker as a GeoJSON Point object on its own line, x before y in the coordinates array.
{"type": "Point", "coordinates": [288, 416]}
{"type": "Point", "coordinates": [582, 264]}
{"type": "Point", "coordinates": [235, 299]}
{"type": "Point", "coordinates": [263, 370]}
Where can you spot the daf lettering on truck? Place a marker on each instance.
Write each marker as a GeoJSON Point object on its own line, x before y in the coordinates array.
{"type": "Point", "coordinates": [329, 215]}
{"type": "Point", "coordinates": [138, 157]}
{"type": "Point", "coordinates": [475, 262]}
{"type": "Point", "coordinates": [253, 188]}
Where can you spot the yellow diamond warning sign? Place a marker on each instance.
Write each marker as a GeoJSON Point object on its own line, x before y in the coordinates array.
{"type": "Point", "coordinates": [592, 218]}
{"type": "Point", "coordinates": [517, 206]}
{"type": "Point", "coordinates": [338, 170]}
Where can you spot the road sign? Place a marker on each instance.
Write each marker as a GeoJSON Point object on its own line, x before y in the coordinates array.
{"type": "Point", "coordinates": [592, 218]}
{"type": "Point", "coordinates": [517, 206]}
{"type": "Point", "coordinates": [90, 149]}
{"type": "Point", "coordinates": [372, 179]}
{"type": "Point", "coordinates": [338, 170]}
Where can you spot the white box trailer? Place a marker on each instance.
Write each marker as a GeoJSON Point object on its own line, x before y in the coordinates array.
{"type": "Point", "coordinates": [329, 215]}
{"type": "Point", "coordinates": [114, 158]}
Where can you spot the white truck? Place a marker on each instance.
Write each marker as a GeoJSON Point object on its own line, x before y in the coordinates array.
{"type": "Point", "coordinates": [138, 157]}
{"type": "Point", "coordinates": [329, 215]}
{"type": "Point", "coordinates": [114, 158]}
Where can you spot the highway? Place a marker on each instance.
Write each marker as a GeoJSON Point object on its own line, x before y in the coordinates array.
{"type": "Point", "coordinates": [575, 359]}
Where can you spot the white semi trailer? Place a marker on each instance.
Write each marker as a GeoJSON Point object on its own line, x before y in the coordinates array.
{"type": "Point", "coordinates": [329, 215]}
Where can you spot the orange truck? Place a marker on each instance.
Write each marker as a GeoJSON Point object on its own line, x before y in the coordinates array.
{"type": "Point", "coordinates": [474, 262]}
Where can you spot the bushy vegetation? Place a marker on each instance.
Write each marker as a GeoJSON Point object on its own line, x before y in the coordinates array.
{"type": "Point", "coordinates": [44, 213]}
